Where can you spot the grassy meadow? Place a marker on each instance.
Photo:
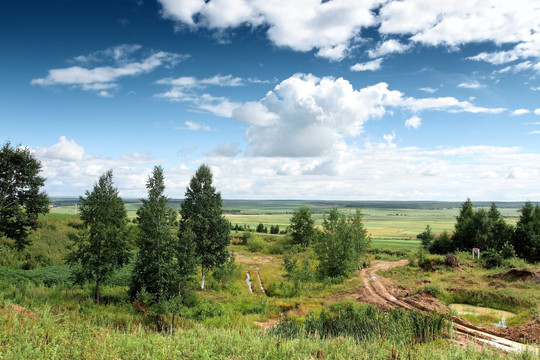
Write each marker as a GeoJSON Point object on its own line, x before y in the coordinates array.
{"type": "Point", "coordinates": [44, 316]}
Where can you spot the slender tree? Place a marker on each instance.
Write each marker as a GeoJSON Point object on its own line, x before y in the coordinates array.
{"type": "Point", "coordinates": [156, 268]}
{"type": "Point", "coordinates": [20, 198]}
{"type": "Point", "coordinates": [302, 226]}
{"type": "Point", "coordinates": [101, 246]}
{"type": "Point", "coordinates": [426, 237]}
{"type": "Point", "coordinates": [359, 235]}
{"type": "Point", "coordinates": [202, 214]}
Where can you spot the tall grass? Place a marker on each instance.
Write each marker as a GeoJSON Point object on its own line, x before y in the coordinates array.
{"type": "Point", "coordinates": [368, 323]}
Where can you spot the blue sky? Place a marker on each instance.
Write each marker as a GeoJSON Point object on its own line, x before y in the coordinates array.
{"type": "Point", "coordinates": [341, 99]}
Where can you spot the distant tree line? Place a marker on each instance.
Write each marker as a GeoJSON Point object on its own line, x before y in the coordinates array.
{"type": "Point", "coordinates": [487, 230]}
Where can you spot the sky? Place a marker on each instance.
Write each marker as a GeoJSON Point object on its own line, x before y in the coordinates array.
{"type": "Point", "coordinates": [303, 99]}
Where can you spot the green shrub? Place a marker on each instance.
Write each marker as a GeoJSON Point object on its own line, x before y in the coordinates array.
{"type": "Point", "coordinates": [256, 245]}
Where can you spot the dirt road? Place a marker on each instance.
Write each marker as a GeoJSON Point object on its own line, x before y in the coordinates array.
{"type": "Point", "coordinates": [376, 292]}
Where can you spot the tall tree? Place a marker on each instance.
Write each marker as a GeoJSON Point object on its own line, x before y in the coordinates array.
{"type": "Point", "coordinates": [360, 238]}
{"type": "Point", "coordinates": [156, 268]}
{"type": "Point", "coordinates": [202, 214]}
{"type": "Point", "coordinates": [464, 227]}
{"type": "Point", "coordinates": [526, 238]}
{"type": "Point", "coordinates": [20, 198]}
{"type": "Point", "coordinates": [101, 246]}
{"type": "Point", "coordinates": [302, 226]}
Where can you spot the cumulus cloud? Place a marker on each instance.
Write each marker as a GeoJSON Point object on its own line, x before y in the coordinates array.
{"type": "Point", "coordinates": [389, 47]}
{"type": "Point", "coordinates": [413, 122]}
{"type": "Point", "coordinates": [372, 65]}
{"type": "Point", "coordinates": [333, 28]}
{"type": "Point", "coordinates": [307, 116]}
{"type": "Point", "coordinates": [103, 78]}
{"type": "Point", "coordinates": [537, 111]}
{"type": "Point", "coordinates": [330, 27]}
{"type": "Point", "coordinates": [518, 112]}
{"type": "Point", "coordinates": [66, 150]}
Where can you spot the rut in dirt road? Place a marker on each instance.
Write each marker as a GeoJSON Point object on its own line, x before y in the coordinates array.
{"type": "Point", "coordinates": [376, 293]}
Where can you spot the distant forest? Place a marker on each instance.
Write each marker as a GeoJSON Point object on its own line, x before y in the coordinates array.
{"type": "Point", "coordinates": [317, 206]}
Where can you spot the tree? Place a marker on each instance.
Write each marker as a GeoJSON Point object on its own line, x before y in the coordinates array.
{"type": "Point", "coordinates": [360, 239]}
{"type": "Point", "coordinates": [464, 227]}
{"type": "Point", "coordinates": [426, 237]}
{"type": "Point", "coordinates": [340, 244]}
{"type": "Point", "coordinates": [156, 268]}
{"type": "Point", "coordinates": [100, 246]}
{"type": "Point", "coordinates": [302, 227]}
{"type": "Point", "coordinates": [442, 244]}
{"type": "Point", "coordinates": [526, 239]}
{"type": "Point", "coordinates": [20, 198]}
{"type": "Point", "coordinates": [260, 228]}
{"type": "Point", "coordinates": [202, 214]}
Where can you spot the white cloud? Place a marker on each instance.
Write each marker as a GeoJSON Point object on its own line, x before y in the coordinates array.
{"type": "Point", "coordinates": [518, 112]}
{"type": "Point", "coordinates": [302, 25]}
{"type": "Point", "coordinates": [194, 126]}
{"type": "Point", "coordinates": [535, 132]}
{"type": "Point", "coordinates": [66, 150]}
{"type": "Point", "coordinates": [368, 66]}
{"type": "Point", "coordinates": [414, 122]}
{"type": "Point", "coordinates": [102, 78]}
{"type": "Point", "coordinates": [428, 90]}
{"type": "Point", "coordinates": [537, 111]}
{"type": "Point", "coordinates": [307, 116]}
{"type": "Point", "coordinates": [366, 171]}
{"type": "Point", "coordinates": [473, 85]}
{"type": "Point", "coordinates": [388, 47]}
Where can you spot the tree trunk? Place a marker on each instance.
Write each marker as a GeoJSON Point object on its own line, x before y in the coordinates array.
{"type": "Point", "coordinates": [202, 280]}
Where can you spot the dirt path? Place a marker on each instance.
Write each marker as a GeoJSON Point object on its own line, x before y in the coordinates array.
{"type": "Point", "coordinates": [375, 292]}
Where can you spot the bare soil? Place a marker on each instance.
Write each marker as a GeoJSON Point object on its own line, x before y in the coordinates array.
{"type": "Point", "coordinates": [518, 274]}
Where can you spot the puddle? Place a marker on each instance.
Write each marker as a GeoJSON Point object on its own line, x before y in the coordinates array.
{"type": "Point", "coordinates": [500, 315]}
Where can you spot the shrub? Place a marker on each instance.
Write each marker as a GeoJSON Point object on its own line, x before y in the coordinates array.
{"type": "Point", "coordinates": [491, 259]}
{"type": "Point", "coordinates": [256, 245]}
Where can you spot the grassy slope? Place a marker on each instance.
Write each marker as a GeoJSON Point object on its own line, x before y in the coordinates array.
{"type": "Point", "coordinates": [219, 325]}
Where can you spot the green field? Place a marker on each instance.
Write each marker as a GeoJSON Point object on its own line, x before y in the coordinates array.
{"type": "Point", "coordinates": [391, 224]}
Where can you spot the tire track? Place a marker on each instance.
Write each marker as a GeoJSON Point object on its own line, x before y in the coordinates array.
{"type": "Point", "coordinates": [379, 295]}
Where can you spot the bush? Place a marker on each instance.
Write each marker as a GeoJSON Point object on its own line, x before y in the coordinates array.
{"type": "Point", "coordinates": [256, 245]}
{"type": "Point", "coordinates": [491, 259]}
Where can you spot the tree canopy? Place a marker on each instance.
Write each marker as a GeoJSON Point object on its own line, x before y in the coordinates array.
{"type": "Point", "coordinates": [202, 214]}
{"type": "Point", "coordinates": [156, 268]}
{"type": "Point", "coordinates": [100, 245]}
{"type": "Point", "coordinates": [21, 200]}
{"type": "Point", "coordinates": [302, 226]}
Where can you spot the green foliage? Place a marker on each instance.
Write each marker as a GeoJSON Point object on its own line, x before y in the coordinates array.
{"type": "Point", "coordinates": [442, 244]}
{"type": "Point", "coordinates": [256, 245]}
{"type": "Point", "coordinates": [426, 237]}
{"type": "Point", "coordinates": [340, 244]}
{"type": "Point", "coordinates": [261, 228]}
{"type": "Point", "coordinates": [202, 213]}
{"type": "Point", "coordinates": [20, 198]}
{"type": "Point", "coordinates": [526, 239]}
{"type": "Point", "coordinates": [491, 259]}
{"type": "Point", "coordinates": [156, 268]}
{"type": "Point", "coordinates": [302, 227]}
{"type": "Point", "coordinates": [100, 245]}
{"type": "Point", "coordinates": [245, 237]}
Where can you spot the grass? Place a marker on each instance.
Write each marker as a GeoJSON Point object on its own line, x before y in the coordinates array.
{"type": "Point", "coordinates": [42, 315]}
